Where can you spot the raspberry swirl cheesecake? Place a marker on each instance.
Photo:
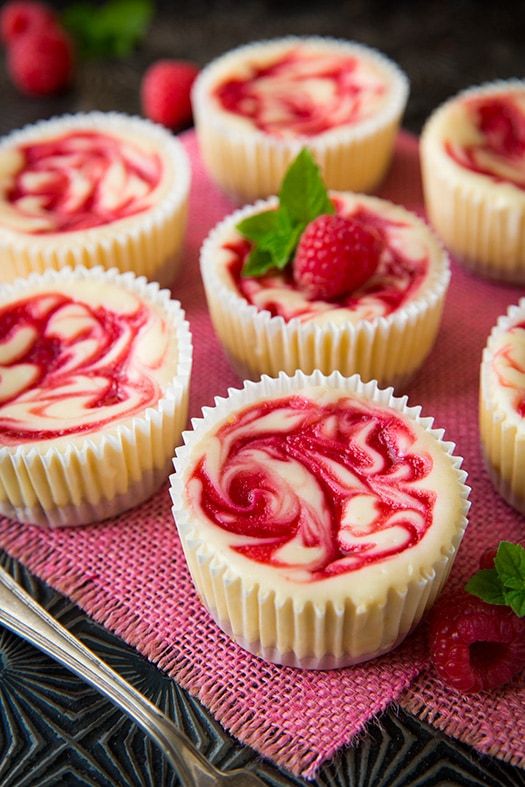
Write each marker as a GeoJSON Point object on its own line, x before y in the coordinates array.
{"type": "Point", "coordinates": [502, 405]}
{"type": "Point", "coordinates": [473, 162]}
{"type": "Point", "coordinates": [92, 189]}
{"type": "Point", "coordinates": [319, 516]}
{"type": "Point", "coordinates": [255, 106]}
{"type": "Point", "coordinates": [94, 377]}
{"type": "Point", "coordinates": [382, 328]}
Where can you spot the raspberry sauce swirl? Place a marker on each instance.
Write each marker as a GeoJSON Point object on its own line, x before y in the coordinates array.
{"type": "Point", "coordinates": [509, 366]}
{"type": "Point", "coordinates": [499, 153]}
{"type": "Point", "coordinates": [315, 488]}
{"type": "Point", "coordinates": [402, 269]}
{"type": "Point", "coordinates": [77, 181]}
{"type": "Point", "coordinates": [70, 365]}
{"type": "Point", "coordinates": [305, 92]}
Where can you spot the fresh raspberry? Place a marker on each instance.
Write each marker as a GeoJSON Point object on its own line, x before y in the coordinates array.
{"type": "Point", "coordinates": [166, 90]}
{"type": "Point", "coordinates": [41, 62]}
{"type": "Point", "coordinates": [23, 16]}
{"type": "Point", "coordinates": [475, 645]}
{"type": "Point", "coordinates": [335, 255]}
{"type": "Point", "coordinates": [487, 558]}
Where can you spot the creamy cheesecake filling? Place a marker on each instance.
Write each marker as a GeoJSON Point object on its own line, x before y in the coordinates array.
{"type": "Point", "coordinates": [508, 365]}
{"type": "Point", "coordinates": [402, 270]}
{"type": "Point", "coordinates": [76, 181]}
{"type": "Point", "coordinates": [77, 358]}
{"type": "Point", "coordinates": [493, 141]}
{"type": "Point", "coordinates": [315, 487]}
{"type": "Point", "coordinates": [304, 91]}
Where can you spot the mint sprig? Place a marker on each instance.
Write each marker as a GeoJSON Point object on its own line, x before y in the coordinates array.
{"type": "Point", "coordinates": [505, 583]}
{"type": "Point", "coordinates": [275, 233]}
{"type": "Point", "coordinates": [110, 30]}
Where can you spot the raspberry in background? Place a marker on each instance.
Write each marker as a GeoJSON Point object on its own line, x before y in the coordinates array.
{"type": "Point", "coordinates": [335, 255]}
{"type": "Point", "coordinates": [23, 16]}
{"type": "Point", "coordinates": [165, 92]}
{"type": "Point", "coordinates": [475, 645]}
{"type": "Point", "coordinates": [40, 62]}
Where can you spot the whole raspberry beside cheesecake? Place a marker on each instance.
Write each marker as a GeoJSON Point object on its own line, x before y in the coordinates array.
{"type": "Point", "coordinates": [324, 280]}
{"type": "Point", "coordinates": [477, 638]}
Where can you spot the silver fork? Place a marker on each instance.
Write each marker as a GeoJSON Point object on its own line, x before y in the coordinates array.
{"type": "Point", "coordinates": [23, 615]}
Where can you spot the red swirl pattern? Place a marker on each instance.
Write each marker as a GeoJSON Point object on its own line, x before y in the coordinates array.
{"type": "Point", "coordinates": [290, 104]}
{"type": "Point", "coordinates": [396, 279]}
{"type": "Point", "coordinates": [67, 368]}
{"type": "Point", "coordinates": [500, 120]}
{"type": "Point", "coordinates": [510, 371]}
{"type": "Point", "coordinates": [81, 180]}
{"type": "Point", "coordinates": [321, 488]}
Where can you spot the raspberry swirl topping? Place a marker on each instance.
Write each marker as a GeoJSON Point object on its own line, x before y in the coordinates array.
{"type": "Point", "coordinates": [509, 366]}
{"type": "Point", "coordinates": [305, 92]}
{"type": "Point", "coordinates": [315, 488]}
{"type": "Point", "coordinates": [499, 152]}
{"type": "Point", "coordinates": [72, 364]}
{"type": "Point", "coordinates": [77, 181]}
{"type": "Point", "coordinates": [402, 269]}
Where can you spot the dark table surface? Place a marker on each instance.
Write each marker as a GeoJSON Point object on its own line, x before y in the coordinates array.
{"type": "Point", "coordinates": [53, 729]}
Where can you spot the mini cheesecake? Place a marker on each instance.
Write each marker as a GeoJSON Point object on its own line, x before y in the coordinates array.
{"type": "Point", "coordinates": [255, 106]}
{"type": "Point", "coordinates": [383, 330]}
{"type": "Point", "coordinates": [473, 163]}
{"type": "Point", "coordinates": [94, 375]}
{"type": "Point", "coordinates": [502, 405]}
{"type": "Point", "coordinates": [93, 189]}
{"type": "Point", "coordinates": [319, 517]}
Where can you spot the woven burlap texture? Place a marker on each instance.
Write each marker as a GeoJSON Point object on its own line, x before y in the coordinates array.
{"type": "Point", "coordinates": [129, 573]}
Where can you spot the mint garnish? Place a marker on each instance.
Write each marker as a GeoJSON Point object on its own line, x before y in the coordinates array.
{"type": "Point", "coordinates": [110, 30]}
{"type": "Point", "coordinates": [275, 233]}
{"type": "Point", "coordinates": [504, 584]}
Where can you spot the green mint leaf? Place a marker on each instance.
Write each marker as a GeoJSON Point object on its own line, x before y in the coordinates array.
{"type": "Point", "coordinates": [276, 233]}
{"type": "Point", "coordinates": [510, 565]}
{"type": "Point", "coordinates": [257, 227]}
{"type": "Point", "coordinates": [516, 601]}
{"type": "Point", "coordinates": [303, 194]}
{"type": "Point", "coordinates": [281, 245]}
{"type": "Point", "coordinates": [486, 585]}
{"type": "Point", "coordinates": [258, 263]}
{"type": "Point", "coordinates": [111, 30]}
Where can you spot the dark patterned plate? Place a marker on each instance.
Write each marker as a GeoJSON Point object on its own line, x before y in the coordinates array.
{"type": "Point", "coordinates": [55, 730]}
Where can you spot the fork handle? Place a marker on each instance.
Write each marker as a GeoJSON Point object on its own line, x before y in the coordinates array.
{"type": "Point", "coordinates": [24, 616]}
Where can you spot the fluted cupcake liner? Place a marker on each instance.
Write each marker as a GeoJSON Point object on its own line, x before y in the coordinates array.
{"type": "Point", "coordinates": [388, 349]}
{"type": "Point", "coordinates": [301, 624]}
{"type": "Point", "coordinates": [88, 478]}
{"type": "Point", "coordinates": [502, 433]}
{"type": "Point", "coordinates": [481, 221]}
{"type": "Point", "coordinates": [148, 243]}
{"type": "Point", "coordinates": [248, 164]}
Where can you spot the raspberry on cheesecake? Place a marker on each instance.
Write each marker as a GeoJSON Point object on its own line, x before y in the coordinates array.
{"type": "Point", "coordinates": [364, 293]}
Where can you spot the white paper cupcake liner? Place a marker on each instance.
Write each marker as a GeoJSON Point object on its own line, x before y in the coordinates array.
{"type": "Point", "coordinates": [248, 164]}
{"type": "Point", "coordinates": [502, 437]}
{"type": "Point", "coordinates": [388, 349]}
{"type": "Point", "coordinates": [148, 243]}
{"type": "Point", "coordinates": [481, 221]}
{"type": "Point", "coordinates": [298, 624]}
{"type": "Point", "coordinates": [88, 478]}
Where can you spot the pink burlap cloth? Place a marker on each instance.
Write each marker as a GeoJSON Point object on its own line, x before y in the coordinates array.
{"type": "Point", "coordinates": [129, 573]}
